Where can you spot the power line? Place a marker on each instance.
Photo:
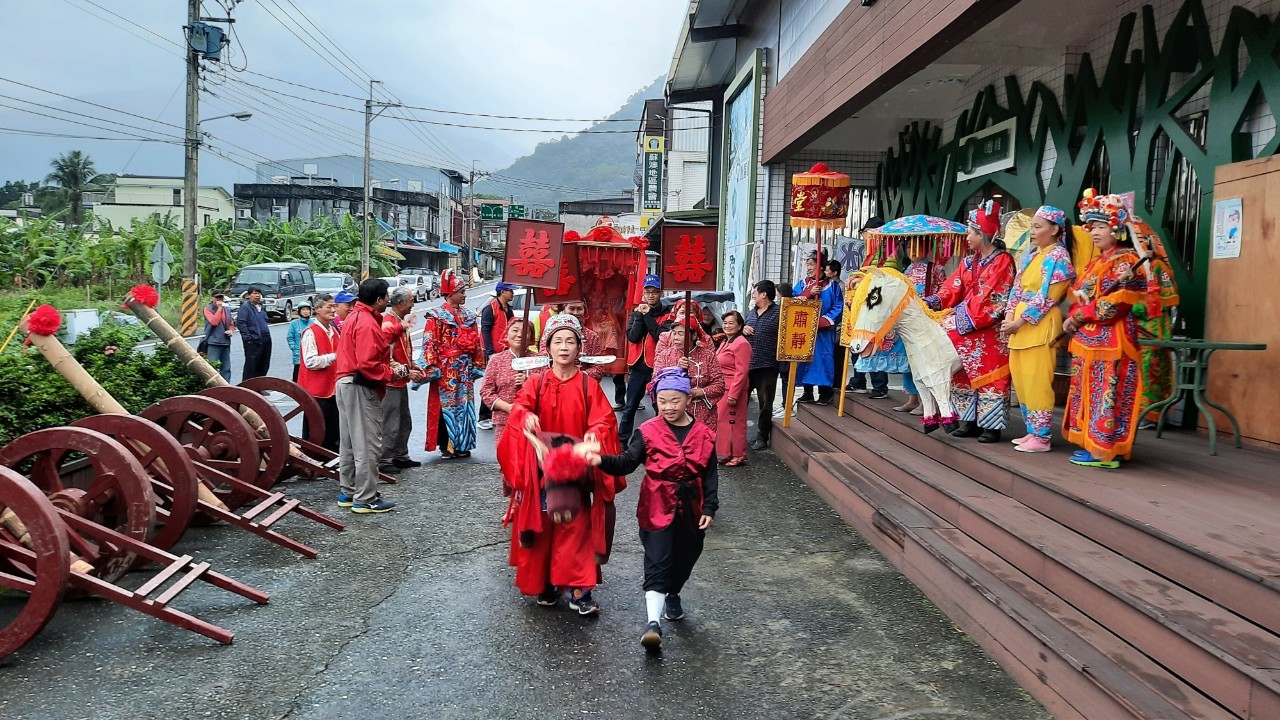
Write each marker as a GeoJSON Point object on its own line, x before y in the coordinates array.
{"type": "Point", "coordinates": [86, 102]}
{"type": "Point", "coordinates": [96, 127]}
{"type": "Point", "coordinates": [42, 133]}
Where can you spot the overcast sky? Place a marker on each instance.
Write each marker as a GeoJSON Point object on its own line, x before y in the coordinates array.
{"type": "Point", "coordinates": [562, 59]}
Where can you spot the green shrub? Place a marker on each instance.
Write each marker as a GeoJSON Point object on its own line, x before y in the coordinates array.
{"type": "Point", "coordinates": [33, 396]}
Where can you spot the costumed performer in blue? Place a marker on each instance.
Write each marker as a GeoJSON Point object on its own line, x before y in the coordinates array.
{"type": "Point", "coordinates": [822, 371]}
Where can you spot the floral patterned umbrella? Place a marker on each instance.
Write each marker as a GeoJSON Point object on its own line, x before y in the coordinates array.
{"type": "Point", "coordinates": [920, 234]}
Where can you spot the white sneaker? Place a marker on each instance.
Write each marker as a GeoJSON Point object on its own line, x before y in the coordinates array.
{"type": "Point", "coordinates": [485, 425]}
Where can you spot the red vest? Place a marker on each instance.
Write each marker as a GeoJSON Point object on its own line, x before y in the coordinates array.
{"type": "Point", "coordinates": [669, 463]}
{"type": "Point", "coordinates": [645, 349]}
{"type": "Point", "coordinates": [319, 383]}
{"type": "Point", "coordinates": [401, 345]}
{"type": "Point", "coordinates": [498, 336]}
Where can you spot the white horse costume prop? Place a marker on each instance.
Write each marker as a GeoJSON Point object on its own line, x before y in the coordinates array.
{"type": "Point", "coordinates": [883, 299]}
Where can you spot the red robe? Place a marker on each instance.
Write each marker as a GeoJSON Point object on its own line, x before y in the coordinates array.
{"type": "Point", "coordinates": [979, 291]}
{"type": "Point", "coordinates": [546, 554]}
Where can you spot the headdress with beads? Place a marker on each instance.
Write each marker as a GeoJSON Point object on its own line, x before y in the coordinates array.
{"type": "Point", "coordinates": [1109, 209]}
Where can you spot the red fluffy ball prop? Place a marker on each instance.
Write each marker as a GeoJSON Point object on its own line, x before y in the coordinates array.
{"type": "Point", "coordinates": [44, 321]}
{"type": "Point", "coordinates": [146, 295]}
{"type": "Point", "coordinates": [561, 466]}
{"type": "Point", "coordinates": [572, 236]}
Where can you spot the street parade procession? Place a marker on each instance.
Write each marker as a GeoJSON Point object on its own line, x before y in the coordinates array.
{"type": "Point", "coordinates": [880, 360]}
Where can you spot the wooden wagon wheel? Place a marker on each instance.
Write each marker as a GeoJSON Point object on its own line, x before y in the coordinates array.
{"type": "Point", "coordinates": [275, 447]}
{"type": "Point", "coordinates": [35, 558]}
{"type": "Point", "coordinates": [109, 488]}
{"type": "Point", "coordinates": [306, 405]}
{"type": "Point", "coordinates": [216, 438]}
{"type": "Point", "coordinates": [174, 478]}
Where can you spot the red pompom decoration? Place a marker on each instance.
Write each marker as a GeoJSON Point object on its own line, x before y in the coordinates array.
{"type": "Point", "coordinates": [146, 295]}
{"type": "Point", "coordinates": [562, 466]}
{"type": "Point", "coordinates": [44, 321]}
{"type": "Point", "coordinates": [572, 236]}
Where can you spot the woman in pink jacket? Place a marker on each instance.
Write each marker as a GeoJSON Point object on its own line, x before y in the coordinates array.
{"type": "Point", "coordinates": [735, 360]}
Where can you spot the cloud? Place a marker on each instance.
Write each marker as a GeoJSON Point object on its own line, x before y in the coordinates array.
{"type": "Point", "coordinates": [568, 58]}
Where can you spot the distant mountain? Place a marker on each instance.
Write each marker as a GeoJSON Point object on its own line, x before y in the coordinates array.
{"type": "Point", "coordinates": [601, 162]}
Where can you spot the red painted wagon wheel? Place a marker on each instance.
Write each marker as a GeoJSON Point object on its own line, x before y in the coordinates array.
{"type": "Point", "coordinates": [214, 436]}
{"type": "Point", "coordinates": [112, 490]}
{"type": "Point", "coordinates": [38, 564]}
{"type": "Point", "coordinates": [307, 405]}
{"type": "Point", "coordinates": [174, 478]}
{"type": "Point", "coordinates": [275, 447]}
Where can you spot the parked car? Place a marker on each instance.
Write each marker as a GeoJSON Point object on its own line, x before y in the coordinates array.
{"type": "Point", "coordinates": [421, 286]}
{"type": "Point", "coordinates": [284, 286]}
{"type": "Point", "coordinates": [334, 283]}
{"type": "Point", "coordinates": [433, 279]}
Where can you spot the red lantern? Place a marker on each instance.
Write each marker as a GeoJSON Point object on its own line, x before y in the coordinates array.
{"type": "Point", "coordinates": [819, 199]}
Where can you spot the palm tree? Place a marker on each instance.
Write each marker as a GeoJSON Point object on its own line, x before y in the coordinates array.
{"type": "Point", "coordinates": [75, 175]}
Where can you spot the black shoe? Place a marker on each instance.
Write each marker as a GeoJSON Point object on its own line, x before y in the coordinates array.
{"type": "Point", "coordinates": [759, 445]}
{"type": "Point", "coordinates": [389, 469]}
{"type": "Point", "coordinates": [652, 637]}
{"type": "Point", "coordinates": [549, 598]}
{"type": "Point", "coordinates": [989, 436]}
{"type": "Point", "coordinates": [406, 463]}
{"type": "Point", "coordinates": [674, 611]}
{"type": "Point", "coordinates": [967, 429]}
{"type": "Point", "coordinates": [807, 399]}
{"type": "Point", "coordinates": [584, 604]}
{"type": "Point", "coordinates": [822, 401]}
{"type": "Point", "coordinates": [948, 428]}
{"type": "Point", "coordinates": [878, 394]}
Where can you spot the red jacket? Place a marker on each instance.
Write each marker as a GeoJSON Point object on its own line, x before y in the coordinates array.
{"type": "Point", "coordinates": [401, 344]}
{"type": "Point", "coordinates": [363, 346]}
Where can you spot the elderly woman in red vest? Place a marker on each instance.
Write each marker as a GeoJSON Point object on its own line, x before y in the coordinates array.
{"type": "Point", "coordinates": [978, 291]}
{"type": "Point", "coordinates": [678, 497]}
{"type": "Point", "coordinates": [701, 364]}
{"type": "Point", "coordinates": [317, 372]}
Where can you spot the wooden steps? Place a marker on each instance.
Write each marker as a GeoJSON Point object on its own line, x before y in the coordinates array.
{"type": "Point", "coordinates": [1098, 613]}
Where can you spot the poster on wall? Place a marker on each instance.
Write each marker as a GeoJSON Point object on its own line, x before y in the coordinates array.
{"type": "Point", "coordinates": [738, 202]}
{"type": "Point", "coordinates": [1228, 220]}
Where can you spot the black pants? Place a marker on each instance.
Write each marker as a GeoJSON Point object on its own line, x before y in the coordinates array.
{"type": "Point", "coordinates": [620, 389]}
{"type": "Point", "coordinates": [257, 359]}
{"type": "Point", "coordinates": [670, 553]}
{"type": "Point", "coordinates": [295, 371]}
{"type": "Point", "coordinates": [879, 380]}
{"type": "Point", "coordinates": [636, 386]}
{"type": "Point", "coordinates": [486, 412]}
{"type": "Point", "coordinates": [329, 408]}
{"type": "Point", "coordinates": [764, 381]}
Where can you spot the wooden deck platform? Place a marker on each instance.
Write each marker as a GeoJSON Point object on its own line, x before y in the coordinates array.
{"type": "Point", "coordinates": [1152, 591]}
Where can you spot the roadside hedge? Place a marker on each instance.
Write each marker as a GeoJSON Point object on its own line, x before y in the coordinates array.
{"type": "Point", "coordinates": [33, 396]}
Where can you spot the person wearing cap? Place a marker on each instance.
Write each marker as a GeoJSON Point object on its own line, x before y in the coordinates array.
{"type": "Point", "coordinates": [342, 307]}
{"type": "Point", "coordinates": [559, 554]}
{"type": "Point", "coordinates": [218, 329]}
{"type": "Point", "coordinates": [678, 496]}
{"type": "Point", "coordinates": [297, 326]}
{"type": "Point", "coordinates": [978, 291]}
{"type": "Point", "coordinates": [821, 371]}
{"type": "Point", "coordinates": [452, 358]}
{"type": "Point", "coordinates": [642, 335]}
{"type": "Point", "coordinates": [255, 334]}
{"type": "Point", "coordinates": [495, 317]}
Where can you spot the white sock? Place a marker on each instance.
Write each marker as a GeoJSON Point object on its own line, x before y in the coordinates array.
{"type": "Point", "coordinates": [656, 602]}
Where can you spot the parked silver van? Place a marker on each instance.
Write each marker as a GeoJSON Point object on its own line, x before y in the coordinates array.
{"type": "Point", "coordinates": [284, 287]}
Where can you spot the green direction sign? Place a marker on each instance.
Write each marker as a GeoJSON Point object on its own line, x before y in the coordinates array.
{"type": "Point", "coordinates": [490, 211]}
{"type": "Point", "coordinates": [515, 211]}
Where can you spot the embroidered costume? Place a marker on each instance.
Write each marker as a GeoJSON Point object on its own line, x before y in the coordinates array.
{"type": "Point", "coordinates": [453, 357]}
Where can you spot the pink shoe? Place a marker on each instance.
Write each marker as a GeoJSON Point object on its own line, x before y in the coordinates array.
{"type": "Point", "coordinates": [1024, 438]}
{"type": "Point", "coordinates": [1035, 444]}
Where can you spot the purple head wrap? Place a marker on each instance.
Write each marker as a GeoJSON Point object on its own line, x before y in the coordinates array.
{"type": "Point", "coordinates": [670, 378]}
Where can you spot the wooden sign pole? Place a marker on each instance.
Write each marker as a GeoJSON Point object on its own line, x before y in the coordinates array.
{"type": "Point", "coordinates": [791, 396]}
{"type": "Point", "coordinates": [688, 322]}
{"type": "Point", "coordinates": [844, 376]}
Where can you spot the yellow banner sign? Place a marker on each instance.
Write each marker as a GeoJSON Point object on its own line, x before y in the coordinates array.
{"type": "Point", "coordinates": [798, 329]}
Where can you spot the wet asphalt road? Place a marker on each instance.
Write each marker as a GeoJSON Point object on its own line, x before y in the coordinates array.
{"type": "Point", "coordinates": [413, 615]}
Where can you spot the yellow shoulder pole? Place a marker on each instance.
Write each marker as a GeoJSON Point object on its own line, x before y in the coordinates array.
{"type": "Point", "coordinates": [14, 331]}
{"type": "Point", "coordinates": [791, 396]}
{"type": "Point", "coordinates": [844, 376]}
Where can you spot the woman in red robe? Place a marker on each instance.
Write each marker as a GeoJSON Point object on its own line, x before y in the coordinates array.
{"type": "Point", "coordinates": [979, 290]}
{"type": "Point", "coordinates": [554, 559]}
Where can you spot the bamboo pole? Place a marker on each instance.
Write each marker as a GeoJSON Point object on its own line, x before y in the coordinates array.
{"type": "Point", "coordinates": [791, 396]}
{"type": "Point", "coordinates": [16, 325]}
{"type": "Point", "coordinates": [11, 522]}
{"type": "Point", "coordinates": [97, 396]}
{"type": "Point", "coordinates": [844, 375]}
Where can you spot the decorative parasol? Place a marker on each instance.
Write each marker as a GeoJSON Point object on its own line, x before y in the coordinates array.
{"type": "Point", "coordinates": [819, 201]}
{"type": "Point", "coordinates": [934, 237]}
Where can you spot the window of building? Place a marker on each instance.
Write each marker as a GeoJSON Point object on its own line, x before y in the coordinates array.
{"type": "Point", "coordinates": [177, 197]}
{"type": "Point", "coordinates": [208, 220]}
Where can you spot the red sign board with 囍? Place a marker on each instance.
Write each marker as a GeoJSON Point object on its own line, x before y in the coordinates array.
{"type": "Point", "coordinates": [533, 255]}
{"type": "Point", "coordinates": [689, 257]}
{"type": "Point", "coordinates": [570, 288]}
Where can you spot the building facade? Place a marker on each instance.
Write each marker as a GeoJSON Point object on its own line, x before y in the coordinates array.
{"type": "Point", "coordinates": [137, 197]}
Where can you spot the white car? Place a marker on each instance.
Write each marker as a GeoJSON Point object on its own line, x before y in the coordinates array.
{"type": "Point", "coordinates": [421, 285]}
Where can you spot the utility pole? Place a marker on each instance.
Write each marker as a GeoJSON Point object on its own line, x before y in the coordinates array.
{"type": "Point", "coordinates": [366, 209]}
{"type": "Point", "coordinates": [191, 178]}
{"type": "Point", "coordinates": [473, 217]}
